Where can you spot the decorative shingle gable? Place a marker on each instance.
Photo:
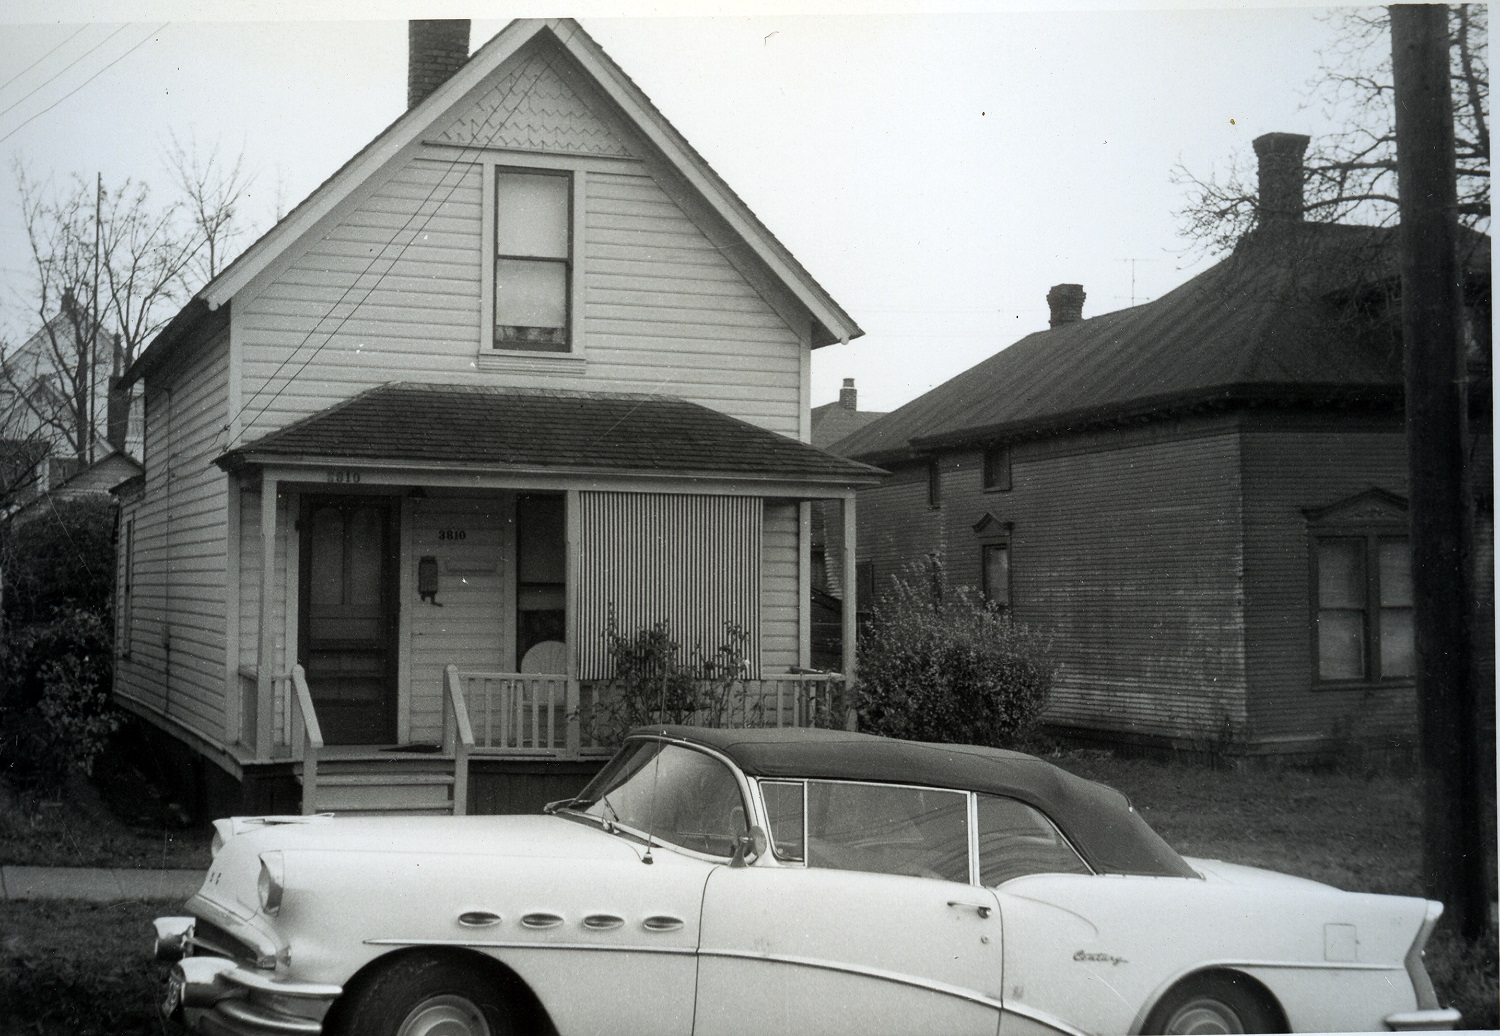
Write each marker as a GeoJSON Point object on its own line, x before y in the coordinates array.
{"type": "Point", "coordinates": [533, 109]}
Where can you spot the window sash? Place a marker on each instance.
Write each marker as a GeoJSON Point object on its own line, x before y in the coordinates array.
{"type": "Point", "coordinates": [994, 564]}
{"type": "Point", "coordinates": [532, 292]}
{"type": "Point", "coordinates": [997, 469]}
{"type": "Point", "coordinates": [934, 484]}
{"type": "Point", "coordinates": [1362, 618]}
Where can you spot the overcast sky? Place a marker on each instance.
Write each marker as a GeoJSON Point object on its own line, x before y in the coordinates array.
{"type": "Point", "coordinates": [937, 173]}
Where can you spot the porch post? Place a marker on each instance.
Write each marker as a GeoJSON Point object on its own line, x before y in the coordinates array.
{"type": "Point", "coordinates": [572, 544]}
{"type": "Point", "coordinates": [804, 584]}
{"type": "Point", "coordinates": [851, 590]}
{"type": "Point", "coordinates": [264, 656]}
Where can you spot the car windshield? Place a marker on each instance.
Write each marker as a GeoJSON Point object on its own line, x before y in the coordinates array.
{"type": "Point", "coordinates": [669, 793]}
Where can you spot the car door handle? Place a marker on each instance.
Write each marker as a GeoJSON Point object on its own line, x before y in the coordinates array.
{"type": "Point", "coordinates": [982, 909]}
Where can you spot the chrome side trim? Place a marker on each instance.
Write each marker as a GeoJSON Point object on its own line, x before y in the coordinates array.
{"type": "Point", "coordinates": [931, 985]}
{"type": "Point", "coordinates": [1318, 965]}
{"type": "Point", "coordinates": [1051, 1021]}
{"type": "Point", "coordinates": [507, 944]}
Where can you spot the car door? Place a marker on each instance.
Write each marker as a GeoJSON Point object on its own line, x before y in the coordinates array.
{"type": "Point", "coordinates": [853, 925]}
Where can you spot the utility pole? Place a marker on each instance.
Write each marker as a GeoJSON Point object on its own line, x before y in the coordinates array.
{"type": "Point", "coordinates": [1442, 517]}
{"type": "Point", "coordinates": [93, 374]}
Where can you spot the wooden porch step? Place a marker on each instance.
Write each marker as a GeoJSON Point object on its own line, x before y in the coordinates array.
{"type": "Point", "coordinates": [344, 780]}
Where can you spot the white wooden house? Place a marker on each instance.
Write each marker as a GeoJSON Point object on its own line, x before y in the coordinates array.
{"type": "Point", "coordinates": [525, 365]}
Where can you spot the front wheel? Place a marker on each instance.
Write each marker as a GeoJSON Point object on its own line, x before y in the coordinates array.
{"type": "Point", "coordinates": [426, 996]}
{"type": "Point", "coordinates": [1211, 1004]}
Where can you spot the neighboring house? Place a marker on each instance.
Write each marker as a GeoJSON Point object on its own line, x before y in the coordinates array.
{"type": "Point", "coordinates": [830, 423]}
{"type": "Point", "coordinates": [1201, 499]}
{"type": "Point", "coordinates": [524, 370]}
{"type": "Point", "coordinates": [57, 413]}
{"type": "Point", "coordinates": [97, 479]}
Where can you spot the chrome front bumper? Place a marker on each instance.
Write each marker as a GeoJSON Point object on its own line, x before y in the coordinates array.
{"type": "Point", "coordinates": [216, 995]}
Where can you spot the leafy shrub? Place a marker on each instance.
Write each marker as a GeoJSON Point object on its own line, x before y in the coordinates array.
{"type": "Point", "coordinates": [939, 663]}
{"type": "Point", "coordinates": [65, 558]}
{"type": "Point", "coordinates": [651, 682]}
{"type": "Point", "coordinates": [55, 712]}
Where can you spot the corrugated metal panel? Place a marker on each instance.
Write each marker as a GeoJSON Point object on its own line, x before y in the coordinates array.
{"type": "Point", "coordinates": [691, 561]}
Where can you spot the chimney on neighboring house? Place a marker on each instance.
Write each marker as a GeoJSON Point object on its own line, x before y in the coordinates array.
{"type": "Point", "coordinates": [849, 396]}
{"type": "Point", "coordinates": [1280, 157]}
{"type": "Point", "coordinates": [436, 48]}
{"type": "Point", "coordinates": [1066, 302]}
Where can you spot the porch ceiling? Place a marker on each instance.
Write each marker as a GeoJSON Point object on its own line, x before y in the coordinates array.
{"type": "Point", "coordinates": [504, 428]}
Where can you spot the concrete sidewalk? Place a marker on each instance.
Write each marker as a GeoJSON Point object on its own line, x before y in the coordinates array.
{"type": "Point", "coordinates": [96, 884]}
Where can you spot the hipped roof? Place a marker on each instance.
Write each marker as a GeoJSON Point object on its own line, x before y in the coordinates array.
{"type": "Point", "coordinates": [509, 429]}
{"type": "Point", "coordinates": [1293, 315]}
{"type": "Point", "coordinates": [830, 322]}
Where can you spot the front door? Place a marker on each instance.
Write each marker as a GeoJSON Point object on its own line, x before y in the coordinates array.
{"type": "Point", "coordinates": [347, 637]}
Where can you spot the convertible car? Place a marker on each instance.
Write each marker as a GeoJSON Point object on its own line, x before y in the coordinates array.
{"type": "Point", "coordinates": [787, 881]}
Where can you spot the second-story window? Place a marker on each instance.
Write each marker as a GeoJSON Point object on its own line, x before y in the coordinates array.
{"type": "Point", "coordinates": [533, 260]}
{"type": "Point", "coordinates": [934, 484]}
{"type": "Point", "coordinates": [997, 469]}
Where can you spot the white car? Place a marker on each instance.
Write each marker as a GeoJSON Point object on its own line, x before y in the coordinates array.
{"type": "Point", "coordinates": [784, 881]}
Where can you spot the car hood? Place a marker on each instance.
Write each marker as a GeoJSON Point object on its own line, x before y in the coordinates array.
{"type": "Point", "coordinates": [1250, 877]}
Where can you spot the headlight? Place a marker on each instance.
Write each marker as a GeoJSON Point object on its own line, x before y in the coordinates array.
{"type": "Point", "coordinates": [272, 882]}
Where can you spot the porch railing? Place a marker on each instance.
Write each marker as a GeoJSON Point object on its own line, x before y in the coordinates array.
{"type": "Point", "coordinates": [306, 739]}
{"type": "Point", "coordinates": [551, 716]}
{"type": "Point", "coordinates": [458, 737]}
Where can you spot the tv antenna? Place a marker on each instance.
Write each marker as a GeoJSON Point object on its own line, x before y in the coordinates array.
{"type": "Point", "coordinates": [1132, 262]}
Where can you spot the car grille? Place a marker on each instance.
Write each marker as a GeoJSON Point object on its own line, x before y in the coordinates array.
{"type": "Point", "coordinates": [210, 938]}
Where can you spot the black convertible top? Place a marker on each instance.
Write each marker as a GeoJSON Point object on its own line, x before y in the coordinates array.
{"type": "Point", "coordinates": [1098, 820]}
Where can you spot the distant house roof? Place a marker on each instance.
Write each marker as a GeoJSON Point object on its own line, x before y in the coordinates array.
{"type": "Point", "coordinates": [830, 322]}
{"type": "Point", "coordinates": [512, 428]}
{"type": "Point", "coordinates": [833, 421]}
{"type": "Point", "coordinates": [1295, 314]}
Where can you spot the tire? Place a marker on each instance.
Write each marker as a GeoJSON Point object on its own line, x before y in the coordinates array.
{"type": "Point", "coordinates": [1212, 1004]}
{"type": "Point", "coordinates": [419, 995]}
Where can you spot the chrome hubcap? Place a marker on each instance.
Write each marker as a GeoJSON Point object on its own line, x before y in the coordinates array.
{"type": "Point", "coordinates": [445, 1015]}
{"type": "Point", "coordinates": [1205, 1016]}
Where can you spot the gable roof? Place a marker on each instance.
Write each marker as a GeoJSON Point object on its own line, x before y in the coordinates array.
{"type": "Point", "coordinates": [1296, 315]}
{"type": "Point", "coordinates": [513, 428]}
{"type": "Point", "coordinates": [831, 322]}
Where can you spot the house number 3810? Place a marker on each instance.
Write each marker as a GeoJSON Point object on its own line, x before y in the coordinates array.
{"type": "Point", "coordinates": [452, 534]}
{"type": "Point", "coordinates": [343, 476]}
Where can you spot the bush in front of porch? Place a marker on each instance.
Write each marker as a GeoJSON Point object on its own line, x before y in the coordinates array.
{"type": "Point", "coordinates": [941, 663]}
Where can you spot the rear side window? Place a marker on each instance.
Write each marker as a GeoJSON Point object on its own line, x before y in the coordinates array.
{"type": "Point", "coordinates": [1015, 839]}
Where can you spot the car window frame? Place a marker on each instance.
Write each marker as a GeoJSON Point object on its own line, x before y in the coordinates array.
{"type": "Point", "coordinates": [748, 803]}
{"type": "Point", "coordinates": [972, 820]}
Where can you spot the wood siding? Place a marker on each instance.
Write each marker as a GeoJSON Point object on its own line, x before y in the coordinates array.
{"type": "Point", "coordinates": [176, 663]}
{"type": "Point", "coordinates": [1290, 466]}
{"type": "Point", "coordinates": [1124, 547]}
{"type": "Point", "coordinates": [474, 628]}
{"type": "Point", "coordinates": [392, 293]}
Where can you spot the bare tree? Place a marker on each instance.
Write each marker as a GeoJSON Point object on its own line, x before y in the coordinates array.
{"type": "Point", "coordinates": [211, 187]}
{"type": "Point", "coordinates": [109, 267]}
{"type": "Point", "coordinates": [1351, 172]}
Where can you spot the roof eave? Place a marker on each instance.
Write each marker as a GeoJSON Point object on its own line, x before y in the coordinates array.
{"type": "Point", "coordinates": [236, 461]}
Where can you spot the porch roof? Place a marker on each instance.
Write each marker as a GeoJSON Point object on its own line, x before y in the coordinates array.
{"type": "Point", "coordinates": [471, 426]}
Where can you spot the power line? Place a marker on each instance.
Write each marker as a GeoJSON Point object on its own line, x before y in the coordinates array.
{"type": "Point", "coordinates": [45, 56]}
{"type": "Point", "coordinates": [81, 85]}
{"type": "Point", "coordinates": [33, 91]}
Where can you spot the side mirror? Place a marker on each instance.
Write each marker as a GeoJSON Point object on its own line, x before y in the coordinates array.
{"type": "Point", "coordinates": [748, 846]}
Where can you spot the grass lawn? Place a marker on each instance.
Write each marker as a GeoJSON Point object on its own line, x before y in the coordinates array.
{"type": "Point", "coordinates": [79, 969]}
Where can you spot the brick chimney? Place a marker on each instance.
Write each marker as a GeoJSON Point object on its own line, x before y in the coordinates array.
{"type": "Point", "coordinates": [436, 48]}
{"type": "Point", "coordinates": [1280, 157]}
{"type": "Point", "coordinates": [1066, 301]}
{"type": "Point", "coordinates": [849, 396]}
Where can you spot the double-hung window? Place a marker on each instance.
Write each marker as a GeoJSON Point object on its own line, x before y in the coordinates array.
{"type": "Point", "coordinates": [533, 260]}
{"type": "Point", "coordinates": [1364, 608]}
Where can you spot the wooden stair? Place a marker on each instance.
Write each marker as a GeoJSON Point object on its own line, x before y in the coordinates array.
{"type": "Point", "coordinates": [383, 783]}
